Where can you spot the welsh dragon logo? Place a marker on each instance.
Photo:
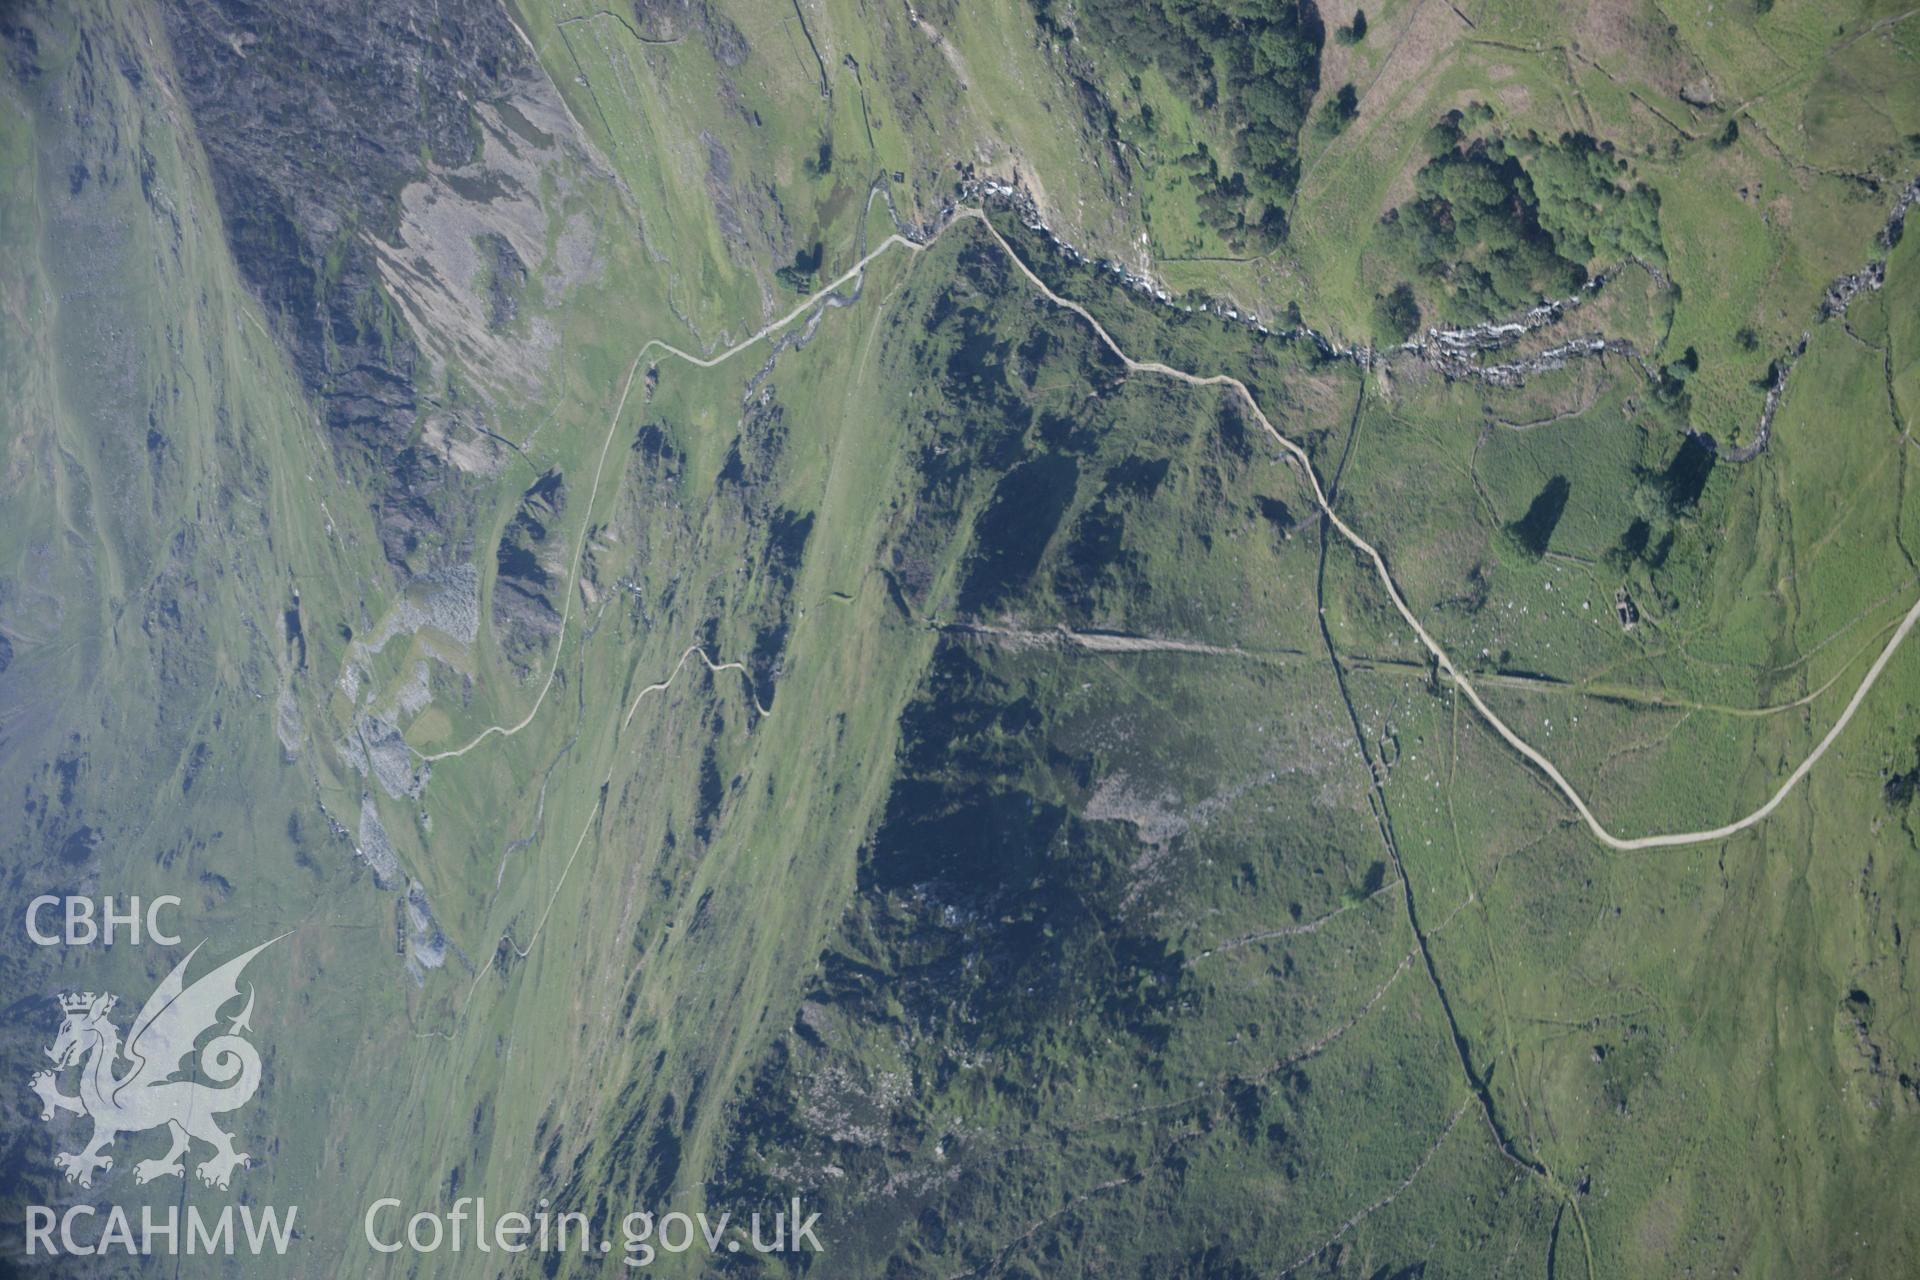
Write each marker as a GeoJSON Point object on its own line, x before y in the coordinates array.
{"type": "Point", "coordinates": [146, 1094]}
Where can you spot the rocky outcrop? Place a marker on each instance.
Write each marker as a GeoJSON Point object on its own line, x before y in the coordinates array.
{"type": "Point", "coordinates": [313, 117]}
{"type": "Point", "coordinates": [672, 21]}
{"type": "Point", "coordinates": [532, 570]}
{"type": "Point", "coordinates": [1833, 305]}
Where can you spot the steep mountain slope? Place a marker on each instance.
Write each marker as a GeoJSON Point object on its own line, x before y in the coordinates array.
{"type": "Point", "coordinates": [692, 559]}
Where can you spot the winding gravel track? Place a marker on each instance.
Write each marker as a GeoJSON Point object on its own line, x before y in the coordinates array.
{"type": "Point", "coordinates": [613, 425]}
{"type": "Point", "coordinates": [1526, 749]}
{"type": "Point", "coordinates": [1432, 646]}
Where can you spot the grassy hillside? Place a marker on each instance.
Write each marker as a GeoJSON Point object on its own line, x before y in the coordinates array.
{"type": "Point", "coordinates": [733, 694]}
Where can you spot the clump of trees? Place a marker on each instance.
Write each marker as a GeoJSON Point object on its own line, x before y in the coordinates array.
{"type": "Point", "coordinates": [1900, 788]}
{"type": "Point", "coordinates": [1533, 532]}
{"type": "Point", "coordinates": [798, 275]}
{"type": "Point", "coordinates": [1498, 223]}
{"type": "Point", "coordinates": [1223, 199]}
{"type": "Point", "coordinates": [1590, 202]}
{"type": "Point", "coordinates": [1341, 110]}
{"type": "Point", "coordinates": [1473, 229]}
{"type": "Point", "coordinates": [1396, 314]}
{"type": "Point", "coordinates": [1255, 61]}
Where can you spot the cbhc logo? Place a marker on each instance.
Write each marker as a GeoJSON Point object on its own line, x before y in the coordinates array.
{"type": "Point", "coordinates": [83, 926]}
